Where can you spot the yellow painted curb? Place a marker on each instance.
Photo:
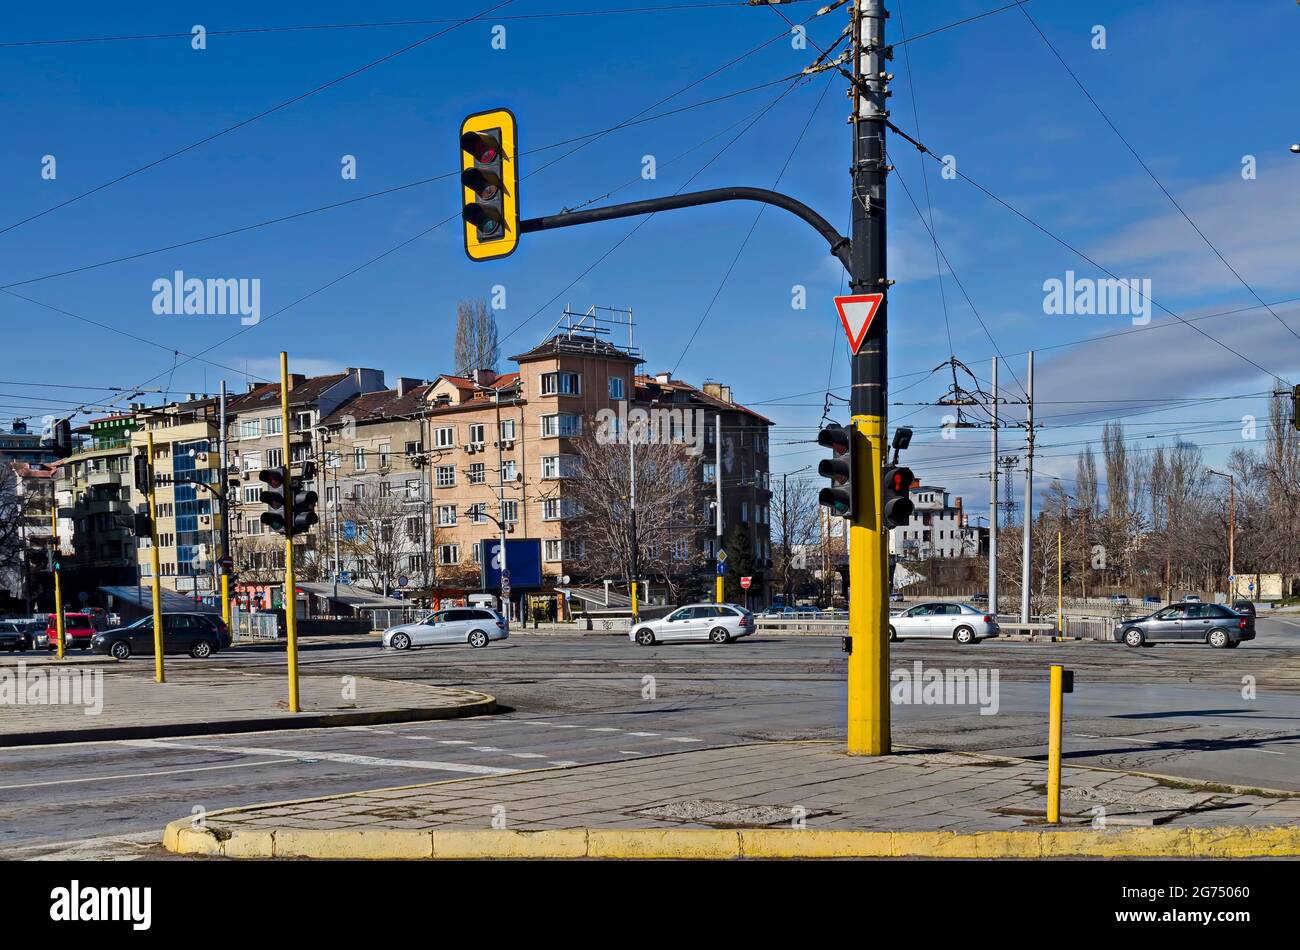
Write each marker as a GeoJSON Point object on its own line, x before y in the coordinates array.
{"type": "Point", "coordinates": [721, 844]}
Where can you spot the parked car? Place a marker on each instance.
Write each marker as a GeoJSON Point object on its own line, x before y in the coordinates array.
{"type": "Point", "coordinates": [1192, 599]}
{"type": "Point", "coordinates": [717, 623]}
{"type": "Point", "coordinates": [778, 611]}
{"type": "Point", "coordinates": [78, 629]}
{"type": "Point", "coordinates": [808, 610]}
{"type": "Point", "coordinates": [895, 595]}
{"type": "Point", "coordinates": [191, 633]}
{"type": "Point", "coordinates": [943, 621]}
{"type": "Point", "coordinates": [1246, 607]}
{"type": "Point", "coordinates": [981, 598]}
{"type": "Point", "coordinates": [477, 626]}
{"type": "Point", "coordinates": [1188, 622]}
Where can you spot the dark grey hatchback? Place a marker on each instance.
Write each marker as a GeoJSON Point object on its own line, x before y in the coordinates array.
{"type": "Point", "coordinates": [199, 635]}
{"type": "Point", "coordinates": [1188, 623]}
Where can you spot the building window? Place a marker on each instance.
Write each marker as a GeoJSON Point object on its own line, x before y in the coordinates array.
{"type": "Point", "coordinates": [445, 476]}
{"type": "Point", "coordinates": [710, 473]}
{"type": "Point", "coordinates": [553, 549]}
{"type": "Point", "coordinates": [274, 458]}
{"type": "Point", "coordinates": [359, 459]}
{"type": "Point", "coordinates": [561, 384]}
{"type": "Point", "coordinates": [477, 513]}
{"type": "Point", "coordinates": [555, 509]}
{"type": "Point", "coordinates": [558, 466]}
{"type": "Point", "coordinates": [477, 474]}
{"type": "Point", "coordinates": [449, 554]}
{"type": "Point", "coordinates": [507, 430]}
{"type": "Point", "coordinates": [252, 494]}
{"type": "Point", "coordinates": [385, 451]}
{"type": "Point", "coordinates": [249, 429]}
{"type": "Point", "coordinates": [444, 437]}
{"type": "Point", "coordinates": [415, 528]}
{"type": "Point", "coordinates": [271, 425]}
{"type": "Point", "coordinates": [413, 488]}
{"type": "Point", "coordinates": [385, 489]}
{"type": "Point", "coordinates": [477, 432]}
{"type": "Point", "coordinates": [413, 448]}
{"type": "Point", "coordinates": [616, 387]}
{"type": "Point", "coordinates": [565, 424]}
{"type": "Point", "coordinates": [359, 492]}
{"type": "Point", "coordinates": [509, 470]}
{"type": "Point", "coordinates": [446, 515]}
{"type": "Point", "coordinates": [415, 562]}
{"type": "Point", "coordinates": [509, 511]}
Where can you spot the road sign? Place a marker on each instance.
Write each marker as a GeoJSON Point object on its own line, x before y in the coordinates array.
{"type": "Point", "coordinates": [83, 596]}
{"type": "Point", "coordinates": [856, 313]}
{"type": "Point", "coordinates": [402, 581]}
{"type": "Point", "coordinates": [722, 568]}
{"type": "Point", "coordinates": [722, 557]}
{"type": "Point", "coordinates": [745, 582]}
{"type": "Point", "coordinates": [226, 563]}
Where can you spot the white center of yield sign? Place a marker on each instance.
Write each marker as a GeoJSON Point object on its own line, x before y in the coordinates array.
{"type": "Point", "coordinates": [856, 313]}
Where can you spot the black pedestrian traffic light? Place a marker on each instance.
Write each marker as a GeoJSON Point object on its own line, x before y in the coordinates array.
{"type": "Point", "coordinates": [490, 184]}
{"type": "Point", "coordinates": [838, 468]}
{"type": "Point", "coordinates": [304, 508]}
{"type": "Point", "coordinates": [1065, 574]}
{"type": "Point", "coordinates": [273, 496]}
{"type": "Point", "coordinates": [143, 481]}
{"type": "Point", "coordinates": [896, 503]}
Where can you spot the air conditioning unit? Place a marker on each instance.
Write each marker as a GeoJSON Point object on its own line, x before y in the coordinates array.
{"type": "Point", "coordinates": [471, 447]}
{"type": "Point", "coordinates": [507, 443]}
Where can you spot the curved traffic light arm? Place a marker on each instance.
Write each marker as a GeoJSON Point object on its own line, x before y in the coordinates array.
{"type": "Point", "coordinates": [839, 244]}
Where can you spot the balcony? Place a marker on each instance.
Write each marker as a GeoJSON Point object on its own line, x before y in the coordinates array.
{"type": "Point", "coordinates": [108, 479]}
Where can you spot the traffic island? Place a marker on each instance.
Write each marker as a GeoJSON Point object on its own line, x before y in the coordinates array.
{"type": "Point", "coordinates": [56, 703]}
{"type": "Point", "coordinates": [764, 800]}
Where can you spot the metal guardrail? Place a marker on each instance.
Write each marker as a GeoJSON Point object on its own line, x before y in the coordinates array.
{"type": "Point", "coordinates": [249, 627]}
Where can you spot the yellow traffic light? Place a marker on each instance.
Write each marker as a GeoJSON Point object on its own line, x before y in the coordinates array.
{"type": "Point", "coordinates": [490, 184]}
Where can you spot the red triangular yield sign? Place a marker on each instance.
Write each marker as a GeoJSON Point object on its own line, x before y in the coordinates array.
{"type": "Point", "coordinates": [856, 313]}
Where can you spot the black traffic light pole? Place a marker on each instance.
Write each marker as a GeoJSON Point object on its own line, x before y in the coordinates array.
{"type": "Point", "coordinates": [839, 244]}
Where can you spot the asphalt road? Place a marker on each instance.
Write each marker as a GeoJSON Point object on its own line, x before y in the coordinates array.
{"type": "Point", "coordinates": [1182, 710]}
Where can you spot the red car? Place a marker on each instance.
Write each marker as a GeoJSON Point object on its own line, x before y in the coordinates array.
{"type": "Point", "coordinates": [77, 628]}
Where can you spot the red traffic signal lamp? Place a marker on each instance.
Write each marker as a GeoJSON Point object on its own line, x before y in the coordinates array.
{"type": "Point", "coordinates": [489, 181]}
{"type": "Point", "coordinates": [838, 468]}
{"type": "Point", "coordinates": [897, 507]}
{"type": "Point", "coordinates": [273, 496]}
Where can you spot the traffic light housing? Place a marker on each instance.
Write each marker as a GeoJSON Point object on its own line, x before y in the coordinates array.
{"type": "Point", "coordinates": [304, 508]}
{"type": "Point", "coordinates": [142, 473]}
{"type": "Point", "coordinates": [838, 468]}
{"type": "Point", "coordinates": [896, 496]}
{"type": "Point", "coordinates": [273, 496]}
{"type": "Point", "coordinates": [489, 180]}
{"type": "Point", "coordinates": [1295, 408]}
{"type": "Point", "coordinates": [1065, 574]}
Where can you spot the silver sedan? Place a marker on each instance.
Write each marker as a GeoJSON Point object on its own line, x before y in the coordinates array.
{"type": "Point", "coordinates": [943, 621]}
{"type": "Point", "coordinates": [476, 626]}
{"type": "Point", "coordinates": [718, 623]}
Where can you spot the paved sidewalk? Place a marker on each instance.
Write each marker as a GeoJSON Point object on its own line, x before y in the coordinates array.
{"type": "Point", "coordinates": [108, 704]}
{"type": "Point", "coordinates": [778, 799]}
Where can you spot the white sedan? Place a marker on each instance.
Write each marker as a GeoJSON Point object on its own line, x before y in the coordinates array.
{"type": "Point", "coordinates": [943, 621]}
{"type": "Point", "coordinates": [718, 623]}
{"type": "Point", "coordinates": [476, 626]}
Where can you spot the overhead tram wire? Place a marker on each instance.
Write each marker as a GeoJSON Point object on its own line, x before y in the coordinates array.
{"type": "Point", "coordinates": [754, 224]}
{"type": "Point", "coordinates": [248, 121]}
{"type": "Point", "coordinates": [386, 24]}
{"type": "Point", "coordinates": [1152, 175]}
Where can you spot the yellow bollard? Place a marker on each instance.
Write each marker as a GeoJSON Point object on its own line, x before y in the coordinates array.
{"type": "Point", "coordinates": [225, 600]}
{"type": "Point", "coordinates": [635, 618]}
{"type": "Point", "coordinates": [1055, 704]}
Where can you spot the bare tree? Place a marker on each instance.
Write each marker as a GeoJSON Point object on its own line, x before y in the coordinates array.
{"type": "Point", "coordinates": [670, 519]}
{"type": "Point", "coordinates": [379, 538]}
{"type": "Point", "coordinates": [795, 512]}
{"type": "Point", "coordinates": [476, 337]}
{"type": "Point", "coordinates": [13, 509]}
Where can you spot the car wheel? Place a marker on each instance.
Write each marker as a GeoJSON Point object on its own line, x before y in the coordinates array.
{"type": "Point", "coordinates": [964, 635]}
{"type": "Point", "coordinates": [893, 635]}
{"type": "Point", "coordinates": [201, 650]}
{"type": "Point", "coordinates": [400, 641]}
{"type": "Point", "coordinates": [719, 635]}
{"type": "Point", "coordinates": [120, 650]}
{"type": "Point", "coordinates": [1134, 637]}
{"type": "Point", "coordinates": [477, 638]}
{"type": "Point", "coordinates": [1218, 638]}
{"type": "Point", "coordinates": [645, 637]}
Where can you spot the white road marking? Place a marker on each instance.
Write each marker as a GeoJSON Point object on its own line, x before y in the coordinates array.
{"type": "Point", "coordinates": [643, 735]}
{"type": "Point", "coordinates": [565, 763]}
{"type": "Point", "coordinates": [683, 739]}
{"type": "Point", "coordinates": [622, 752]}
{"type": "Point", "coordinates": [526, 755]}
{"type": "Point", "coordinates": [110, 778]}
{"type": "Point", "coordinates": [485, 748]}
{"type": "Point", "coordinates": [603, 729]}
{"type": "Point", "coordinates": [340, 757]}
{"type": "Point", "coordinates": [454, 741]}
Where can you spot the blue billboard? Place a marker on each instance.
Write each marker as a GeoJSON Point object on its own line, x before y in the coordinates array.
{"type": "Point", "coordinates": [523, 561]}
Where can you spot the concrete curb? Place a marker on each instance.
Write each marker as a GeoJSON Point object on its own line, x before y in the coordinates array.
{"type": "Point", "coordinates": [36, 659]}
{"type": "Point", "coordinates": [479, 707]}
{"type": "Point", "coordinates": [181, 837]}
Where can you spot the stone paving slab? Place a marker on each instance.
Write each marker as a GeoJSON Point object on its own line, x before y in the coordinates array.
{"type": "Point", "coordinates": [776, 787]}
{"type": "Point", "coordinates": [95, 704]}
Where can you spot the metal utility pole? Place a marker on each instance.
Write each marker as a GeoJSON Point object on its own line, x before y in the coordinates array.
{"type": "Point", "coordinates": [631, 478]}
{"type": "Point", "coordinates": [290, 581]}
{"type": "Point", "coordinates": [223, 483]}
{"type": "Point", "coordinates": [868, 677]}
{"type": "Point", "coordinates": [717, 501]}
{"type": "Point", "coordinates": [159, 673]}
{"type": "Point", "coordinates": [1026, 565]}
{"type": "Point", "coordinates": [993, 498]}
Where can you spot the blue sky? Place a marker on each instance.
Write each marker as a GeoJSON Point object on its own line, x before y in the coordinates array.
{"type": "Point", "coordinates": [1192, 91]}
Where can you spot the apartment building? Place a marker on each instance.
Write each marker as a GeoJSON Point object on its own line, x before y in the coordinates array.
{"type": "Point", "coordinates": [187, 476]}
{"type": "Point", "coordinates": [255, 440]}
{"type": "Point", "coordinates": [94, 488]}
{"type": "Point", "coordinates": [937, 528]}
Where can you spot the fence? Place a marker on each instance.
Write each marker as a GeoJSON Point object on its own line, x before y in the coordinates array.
{"type": "Point", "coordinates": [381, 618]}
{"type": "Point", "coordinates": [246, 626]}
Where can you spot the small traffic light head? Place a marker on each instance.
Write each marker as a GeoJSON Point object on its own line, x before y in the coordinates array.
{"type": "Point", "coordinates": [896, 496]}
{"type": "Point", "coordinates": [273, 477]}
{"type": "Point", "coordinates": [489, 184]}
{"type": "Point", "coordinates": [838, 468]}
{"type": "Point", "coordinates": [902, 438]}
{"type": "Point", "coordinates": [835, 438]}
